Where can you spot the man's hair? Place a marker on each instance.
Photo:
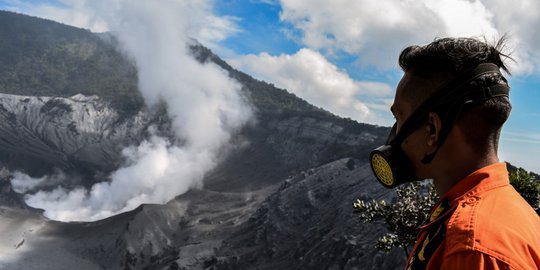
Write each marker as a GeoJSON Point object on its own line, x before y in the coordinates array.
{"type": "Point", "coordinates": [450, 57]}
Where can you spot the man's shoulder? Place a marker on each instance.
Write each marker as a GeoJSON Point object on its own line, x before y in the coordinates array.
{"type": "Point", "coordinates": [497, 222]}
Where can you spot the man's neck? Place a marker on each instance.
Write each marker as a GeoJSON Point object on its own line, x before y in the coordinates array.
{"type": "Point", "coordinates": [458, 170]}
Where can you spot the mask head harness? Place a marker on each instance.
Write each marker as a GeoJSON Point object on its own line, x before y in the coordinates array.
{"type": "Point", "coordinates": [390, 164]}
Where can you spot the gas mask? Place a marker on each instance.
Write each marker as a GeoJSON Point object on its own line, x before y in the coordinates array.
{"type": "Point", "coordinates": [390, 164]}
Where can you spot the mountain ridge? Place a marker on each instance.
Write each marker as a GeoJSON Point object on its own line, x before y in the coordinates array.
{"type": "Point", "coordinates": [288, 138]}
{"type": "Point", "coordinates": [272, 105]}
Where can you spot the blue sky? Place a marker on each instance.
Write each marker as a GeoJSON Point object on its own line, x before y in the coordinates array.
{"type": "Point", "coordinates": [342, 56]}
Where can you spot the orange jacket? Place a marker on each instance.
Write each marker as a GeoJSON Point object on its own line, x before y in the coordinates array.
{"type": "Point", "coordinates": [489, 226]}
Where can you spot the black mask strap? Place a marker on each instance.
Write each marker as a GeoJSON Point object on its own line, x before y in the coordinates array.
{"type": "Point", "coordinates": [448, 101]}
{"type": "Point", "coordinates": [476, 96]}
{"type": "Point", "coordinates": [484, 94]}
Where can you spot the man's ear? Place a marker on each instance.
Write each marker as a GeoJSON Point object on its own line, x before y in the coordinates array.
{"type": "Point", "coordinates": [433, 129]}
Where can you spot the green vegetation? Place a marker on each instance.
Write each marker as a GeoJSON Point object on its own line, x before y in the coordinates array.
{"type": "Point", "coordinates": [405, 214]}
{"type": "Point", "coordinates": [402, 217]}
{"type": "Point", "coordinates": [528, 186]}
{"type": "Point", "coordinates": [45, 58]}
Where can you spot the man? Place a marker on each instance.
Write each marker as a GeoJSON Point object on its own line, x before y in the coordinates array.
{"type": "Point", "coordinates": [450, 106]}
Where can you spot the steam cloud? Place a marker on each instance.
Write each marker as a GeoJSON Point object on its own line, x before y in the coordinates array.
{"type": "Point", "coordinates": [203, 102]}
{"type": "Point", "coordinates": [23, 183]}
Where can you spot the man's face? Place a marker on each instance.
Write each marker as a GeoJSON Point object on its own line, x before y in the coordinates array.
{"type": "Point", "coordinates": [416, 145]}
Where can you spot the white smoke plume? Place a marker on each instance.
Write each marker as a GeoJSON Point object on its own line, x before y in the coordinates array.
{"type": "Point", "coordinates": [204, 104]}
{"type": "Point", "coordinates": [23, 183]}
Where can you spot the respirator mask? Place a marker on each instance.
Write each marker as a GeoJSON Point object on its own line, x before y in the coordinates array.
{"type": "Point", "coordinates": [390, 164]}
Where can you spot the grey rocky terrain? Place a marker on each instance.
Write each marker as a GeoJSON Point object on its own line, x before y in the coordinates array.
{"type": "Point", "coordinates": [306, 222]}
{"type": "Point", "coordinates": [281, 198]}
{"type": "Point", "coordinates": [59, 132]}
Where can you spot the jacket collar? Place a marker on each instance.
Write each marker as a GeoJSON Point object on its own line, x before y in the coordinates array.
{"type": "Point", "coordinates": [486, 178]}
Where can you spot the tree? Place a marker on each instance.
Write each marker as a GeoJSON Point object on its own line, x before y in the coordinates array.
{"type": "Point", "coordinates": [529, 187]}
{"type": "Point", "coordinates": [410, 208]}
{"type": "Point", "coordinates": [402, 217]}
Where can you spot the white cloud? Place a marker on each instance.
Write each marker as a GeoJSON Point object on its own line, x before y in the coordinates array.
{"type": "Point", "coordinates": [70, 12]}
{"type": "Point", "coordinates": [309, 75]}
{"type": "Point", "coordinates": [268, 2]}
{"type": "Point", "coordinates": [203, 25]}
{"type": "Point", "coordinates": [522, 136]}
{"type": "Point", "coordinates": [520, 19]}
{"type": "Point", "coordinates": [377, 30]}
{"type": "Point", "coordinates": [519, 146]}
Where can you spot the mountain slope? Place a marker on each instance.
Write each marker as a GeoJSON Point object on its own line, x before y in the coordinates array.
{"type": "Point", "coordinates": [309, 224]}
{"type": "Point", "coordinates": [45, 58]}
{"type": "Point", "coordinates": [285, 124]}
{"type": "Point", "coordinates": [70, 104]}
